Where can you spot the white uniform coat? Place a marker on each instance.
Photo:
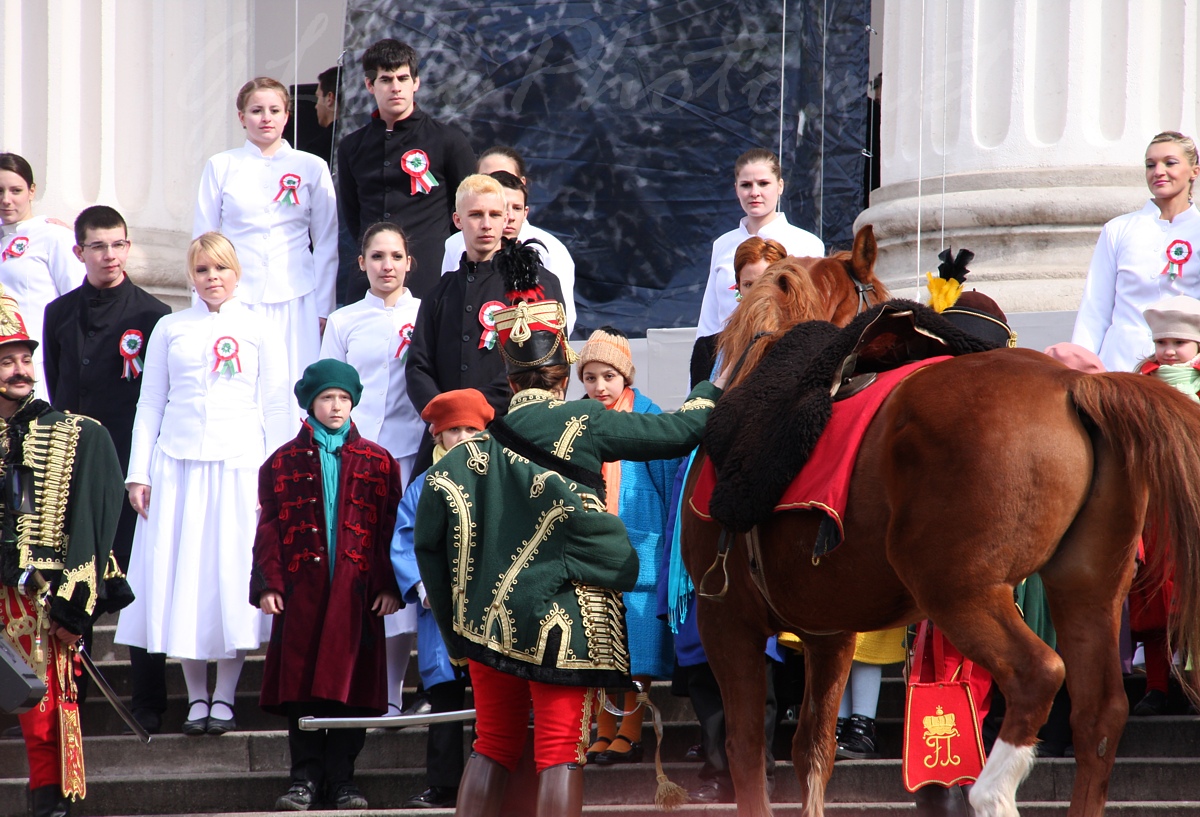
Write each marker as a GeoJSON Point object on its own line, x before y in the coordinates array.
{"type": "Point", "coordinates": [1126, 276]}
{"type": "Point", "coordinates": [555, 257]}
{"type": "Point", "coordinates": [240, 197]}
{"type": "Point", "coordinates": [192, 410]}
{"type": "Point", "coordinates": [35, 271]}
{"type": "Point", "coordinates": [368, 336]}
{"type": "Point", "coordinates": [720, 299]}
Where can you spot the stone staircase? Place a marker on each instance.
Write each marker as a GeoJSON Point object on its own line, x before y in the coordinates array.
{"type": "Point", "coordinates": [1157, 769]}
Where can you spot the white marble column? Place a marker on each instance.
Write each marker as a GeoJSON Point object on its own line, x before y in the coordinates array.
{"type": "Point", "coordinates": [121, 102]}
{"type": "Point", "coordinates": [1018, 127]}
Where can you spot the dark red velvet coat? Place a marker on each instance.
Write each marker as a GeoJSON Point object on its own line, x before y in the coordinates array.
{"type": "Point", "coordinates": [326, 644]}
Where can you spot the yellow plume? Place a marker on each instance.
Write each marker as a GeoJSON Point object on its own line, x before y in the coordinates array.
{"type": "Point", "coordinates": [943, 292]}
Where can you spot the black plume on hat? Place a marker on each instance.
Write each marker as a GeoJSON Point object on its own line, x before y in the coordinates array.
{"type": "Point", "coordinates": [519, 264]}
{"type": "Point", "coordinates": [956, 269]}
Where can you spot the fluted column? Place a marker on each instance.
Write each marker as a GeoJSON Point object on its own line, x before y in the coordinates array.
{"type": "Point", "coordinates": [120, 102]}
{"type": "Point", "coordinates": [1017, 128]}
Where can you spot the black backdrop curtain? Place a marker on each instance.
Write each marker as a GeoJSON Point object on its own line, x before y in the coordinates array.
{"type": "Point", "coordinates": [630, 116]}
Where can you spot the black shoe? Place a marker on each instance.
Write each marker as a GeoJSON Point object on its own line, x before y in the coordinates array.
{"type": "Point", "coordinates": [198, 726]}
{"type": "Point", "coordinates": [611, 756]}
{"type": "Point", "coordinates": [347, 797]}
{"type": "Point", "coordinates": [695, 753]}
{"type": "Point", "coordinates": [219, 726]}
{"type": "Point", "coordinates": [712, 791]}
{"type": "Point", "coordinates": [300, 797]}
{"type": "Point", "coordinates": [858, 739]}
{"type": "Point", "coordinates": [1155, 703]}
{"type": "Point", "coordinates": [148, 719]}
{"type": "Point", "coordinates": [433, 797]}
{"type": "Point", "coordinates": [841, 730]}
{"type": "Point", "coordinates": [592, 755]}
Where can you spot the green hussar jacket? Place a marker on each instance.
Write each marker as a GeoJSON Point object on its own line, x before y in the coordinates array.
{"type": "Point", "coordinates": [522, 565]}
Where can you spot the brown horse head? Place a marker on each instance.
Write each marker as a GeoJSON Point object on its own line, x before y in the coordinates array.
{"type": "Point", "coordinates": [846, 280]}
{"type": "Point", "coordinates": [801, 289]}
{"type": "Point", "coordinates": [783, 297]}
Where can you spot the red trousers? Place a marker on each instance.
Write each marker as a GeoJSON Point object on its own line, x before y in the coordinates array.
{"type": "Point", "coordinates": [561, 716]}
{"type": "Point", "coordinates": [39, 726]}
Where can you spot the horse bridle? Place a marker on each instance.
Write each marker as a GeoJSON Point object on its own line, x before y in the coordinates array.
{"type": "Point", "coordinates": [862, 290]}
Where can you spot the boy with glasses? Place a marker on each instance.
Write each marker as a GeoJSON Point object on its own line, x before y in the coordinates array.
{"type": "Point", "coordinates": [94, 343]}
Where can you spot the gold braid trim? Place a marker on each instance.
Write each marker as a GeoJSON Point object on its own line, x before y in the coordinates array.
{"type": "Point", "coordinates": [85, 573]}
{"type": "Point", "coordinates": [464, 539]}
{"type": "Point", "coordinates": [112, 570]}
{"type": "Point", "coordinates": [697, 403]}
{"type": "Point", "coordinates": [21, 624]}
{"type": "Point", "coordinates": [508, 580]}
{"type": "Point", "coordinates": [50, 451]}
{"type": "Point", "coordinates": [566, 442]}
{"type": "Point", "coordinates": [604, 624]}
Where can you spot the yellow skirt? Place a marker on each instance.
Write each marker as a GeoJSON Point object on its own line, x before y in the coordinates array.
{"type": "Point", "coordinates": [881, 646]}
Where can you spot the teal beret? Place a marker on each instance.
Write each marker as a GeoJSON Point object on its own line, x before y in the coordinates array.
{"type": "Point", "coordinates": [328, 374]}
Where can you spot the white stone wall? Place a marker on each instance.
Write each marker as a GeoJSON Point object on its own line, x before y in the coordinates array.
{"type": "Point", "coordinates": [1025, 123]}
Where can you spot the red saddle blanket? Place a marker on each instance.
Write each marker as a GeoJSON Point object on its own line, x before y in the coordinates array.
{"type": "Point", "coordinates": [824, 481]}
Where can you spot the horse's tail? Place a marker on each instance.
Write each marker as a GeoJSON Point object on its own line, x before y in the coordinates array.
{"type": "Point", "coordinates": [1155, 430]}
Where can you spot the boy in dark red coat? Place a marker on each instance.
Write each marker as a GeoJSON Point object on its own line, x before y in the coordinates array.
{"type": "Point", "coordinates": [322, 568]}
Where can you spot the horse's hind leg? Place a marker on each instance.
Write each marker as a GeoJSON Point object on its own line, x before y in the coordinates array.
{"type": "Point", "coordinates": [1086, 582]}
{"type": "Point", "coordinates": [826, 665]}
{"type": "Point", "coordinates": [735, 651]}
{"type": "Point", "coordinates": [989, 630]}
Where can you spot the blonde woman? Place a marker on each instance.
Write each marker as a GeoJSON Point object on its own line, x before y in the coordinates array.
{"type": "Point", "coordinates": [215, 401]}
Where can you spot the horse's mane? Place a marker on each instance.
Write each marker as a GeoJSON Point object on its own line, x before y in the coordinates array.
{"type": "Point", "coordinates": [783, 297]}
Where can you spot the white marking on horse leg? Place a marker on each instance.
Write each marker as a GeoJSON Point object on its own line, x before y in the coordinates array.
{"type": "Point", "coordinates": [815, 807]}
{"type": "Point", "coordinates": [995, 793]}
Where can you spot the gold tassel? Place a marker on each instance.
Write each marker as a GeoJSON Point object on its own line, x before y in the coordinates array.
{"type": "Point", "coordinates": [669, 796]}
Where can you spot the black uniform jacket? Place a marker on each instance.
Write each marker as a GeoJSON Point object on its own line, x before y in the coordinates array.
{"type": "Point", "coordinates": [82, 353]}
{"type": "Point", "coordinates": [373, 186]}
{"type": "Point", "coordinates": [446, 353]}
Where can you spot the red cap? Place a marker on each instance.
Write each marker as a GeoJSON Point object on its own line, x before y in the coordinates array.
{"type": "Point", "coordinates": [458, 408]}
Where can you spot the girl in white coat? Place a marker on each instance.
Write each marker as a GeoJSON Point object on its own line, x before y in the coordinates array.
{"type": "Point", "coordinates": [758, 181]}
{"type": "Point", "coordinates": [1142, 258]}
{"type": "Point", "coordinates": [215, 401]}
{"type": "Point", "coordinates": [373, 336]}
{"type": "Point", "coordinates": [37, 258]}
{"type": "Point", "coordinates": [273, 203]}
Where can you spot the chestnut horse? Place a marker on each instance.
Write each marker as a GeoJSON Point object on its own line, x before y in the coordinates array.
{"type": "Point", "coordinates": [975, 473]}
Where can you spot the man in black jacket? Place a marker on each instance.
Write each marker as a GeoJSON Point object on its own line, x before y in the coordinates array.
{"type": "Point", "coordinates": [455, 345]}
{"type": "Point", "coordinates": [402, 167]}
{"type": "Point", "coordinates": [95, 342]}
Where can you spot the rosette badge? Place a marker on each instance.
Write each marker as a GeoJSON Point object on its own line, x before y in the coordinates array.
{"type": "Point", "coordinates": [1179, 252]}
{"type": "Point", "coordinates": [131, 353]}
{"type": "Point", "coordinates": [227, 362]}
{"type": "Point", "coordinates": [289, 186]}
{"type": "Point", "coordinates": [406, 333]}
{"type": "Point", "coordinates": [416, 165]}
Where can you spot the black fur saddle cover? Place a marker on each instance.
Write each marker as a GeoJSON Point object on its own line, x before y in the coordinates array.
{"type": "Point", "coordinates": [791, 393]}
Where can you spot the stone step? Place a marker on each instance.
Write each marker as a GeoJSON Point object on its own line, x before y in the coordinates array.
{"type": "Point", "coordinates": [1144, 737]}
{"type": "Point", "coordinates": [853, 782]}
{"type": "Point", "coordinates": [1028, 809]}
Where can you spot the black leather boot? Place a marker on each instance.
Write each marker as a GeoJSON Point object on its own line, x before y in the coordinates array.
{"type": "Point", "coordinates": [481, 792]}
{"type": "Point", "coordinates": [938, 801]}
{"type": "Point", "coordinates": [560, 791]}
{"type": "Point", "coordinates": [47, 801]}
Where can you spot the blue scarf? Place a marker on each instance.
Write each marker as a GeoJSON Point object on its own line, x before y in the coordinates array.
{"type": "Point", "coordinates": [680, 591]}
{"type": "Point", "coordinates": [329, 446]}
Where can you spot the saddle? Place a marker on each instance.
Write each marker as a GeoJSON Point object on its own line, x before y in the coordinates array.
{"type": "Point", "coordinates": [793, 390]}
